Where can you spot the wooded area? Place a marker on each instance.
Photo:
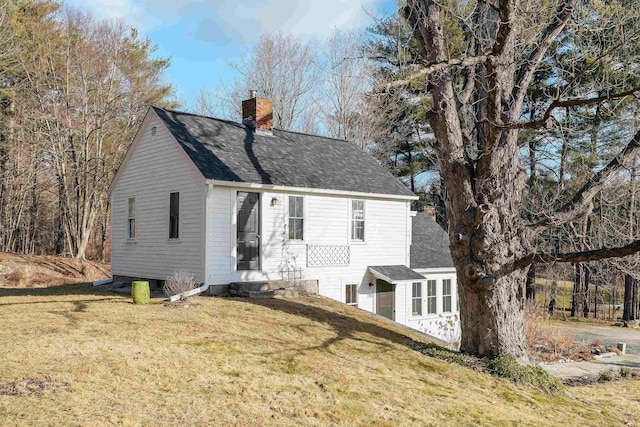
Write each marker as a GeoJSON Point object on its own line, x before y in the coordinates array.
{"type": "Point", "coordinates": [73, 90]}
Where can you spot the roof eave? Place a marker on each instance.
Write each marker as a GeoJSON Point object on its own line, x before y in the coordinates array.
{"type": "Point", "coordinates": [286, 189]}
{"type": "Point", "coordinates": [434, 270]}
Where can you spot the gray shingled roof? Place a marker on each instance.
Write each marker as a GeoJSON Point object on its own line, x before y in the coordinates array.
{"type": "Point", "coordinates": [229, 151]}
{"type": "Point", "coordinates": [396, 272]}
{"type": "Point", "coordinates": [429, 244]}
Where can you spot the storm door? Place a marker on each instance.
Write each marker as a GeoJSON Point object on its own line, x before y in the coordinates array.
{"type": "Point", "coordinates": [386, 299]}
{"type": "Point", "coordinates": [248, 227]}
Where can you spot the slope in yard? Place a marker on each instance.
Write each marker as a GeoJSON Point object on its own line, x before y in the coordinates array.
{"type": "Point", "coordinates": [28, 271]}
{"type": "Point", "coordinates": [73, 355]}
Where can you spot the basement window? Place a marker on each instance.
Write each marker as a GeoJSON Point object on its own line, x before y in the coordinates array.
{"type": "Point", "coordinates": [351, 294]}
{"type": "Point", "coordinates": [174, 215]}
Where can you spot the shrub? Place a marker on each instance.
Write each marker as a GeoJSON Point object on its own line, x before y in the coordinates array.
{"type": "Point", "coordinates": [547, 341]}
{"type": "Point", "coordinates": [439, 352]}
{"type": "Point", "coordinates": [609, 375]}
{"type": "Point", "coordinates": [19, 277]}
{"type": "Point", "coordinates": [181, 281]}
{"type": "Point", "coordinates": [140, 292]}
{"type": "Point", "coordinates": [503, 366]}
{"type": "Point", "coordinates": [508, 367]}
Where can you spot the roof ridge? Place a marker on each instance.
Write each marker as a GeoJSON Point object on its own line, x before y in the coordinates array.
{"type": "Point", "coordinates": [187, 113]}
{"type": "Point", "coordinates": [314, 135]}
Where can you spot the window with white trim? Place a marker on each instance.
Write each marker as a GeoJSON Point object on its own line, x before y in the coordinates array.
{"type": "Point", "coordinates": [174, 215]}
{"type": "Point", "coordinates": [351, 294]}
{"type": "Point", "coordinates": [446, 295]}
{"type": "Point", "coordinates": [416, 299]}
{"type": "Point", "coordinates": [357, 219]}
{"type": "Point", "coordinates": [296, 218]}
{"type": "Point", "coordinates": [431, 297]}
{"type": "Point", "coordinates": [131, 218]}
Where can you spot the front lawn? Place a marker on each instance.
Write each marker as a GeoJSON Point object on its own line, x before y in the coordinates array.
{"type": "Point", "coordinates": [73, 355]}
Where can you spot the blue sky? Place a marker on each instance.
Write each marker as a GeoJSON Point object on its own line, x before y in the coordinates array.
{"type": "Point", "coordinates": [201, 37]}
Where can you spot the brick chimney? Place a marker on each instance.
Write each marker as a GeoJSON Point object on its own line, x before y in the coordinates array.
{"type": "Point", "coordinates": [258, 109]}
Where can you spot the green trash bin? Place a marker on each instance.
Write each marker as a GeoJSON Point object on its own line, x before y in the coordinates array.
{"type": "Point", "coordinates": [140, 292]}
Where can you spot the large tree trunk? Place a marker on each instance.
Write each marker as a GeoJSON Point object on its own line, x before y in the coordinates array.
{"type": "Point", "coordinates": [493, 317]}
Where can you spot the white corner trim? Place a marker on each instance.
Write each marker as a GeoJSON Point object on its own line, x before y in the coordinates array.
{"type": "Point", "coordinates": [307, 190]}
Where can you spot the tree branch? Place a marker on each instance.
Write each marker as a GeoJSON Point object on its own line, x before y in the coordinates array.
{"type": "Point", "coordinates": [433, 67]}
{"type": "Point", "coordinates": [530, 65]}
{"type": "Point", "coordinates": [579, 204]}
{"type": "Point", "coordinates": [546, 121]}
{"type": "Point", "coordinates": [592, 255]}
{"type": "Point", "coordinates": [505, 11]}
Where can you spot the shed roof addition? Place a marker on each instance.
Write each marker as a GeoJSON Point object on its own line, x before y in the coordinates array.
{"type": "Point", "coordinates": [429, 244]}
{"type": "Point", "coordinates": [395, 273]}
{"type": "Point", "coordinates": [228, 151]}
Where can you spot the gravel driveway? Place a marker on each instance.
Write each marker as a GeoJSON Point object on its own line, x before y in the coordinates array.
{"type": "Point", "coordinates": [609, 335]}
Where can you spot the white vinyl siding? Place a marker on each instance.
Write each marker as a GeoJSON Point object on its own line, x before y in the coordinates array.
{"type": "Point", "coordinates": [156, 167]}
{"type": "Point", "coordinates": [327, 221]}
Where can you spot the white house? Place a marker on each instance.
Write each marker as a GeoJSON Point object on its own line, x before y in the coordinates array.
{"type": "Point", "coordinates": [234, 202]}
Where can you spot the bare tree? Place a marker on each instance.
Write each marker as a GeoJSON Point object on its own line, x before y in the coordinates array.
{"type": "Point", "coordinates": [80, 88]}
{"type": "Point", "coordinates": [342, 106]}
{"type": "Point", "coordinates": [279, 67]}
{"type": "Point", "coordinates": [479, 89]}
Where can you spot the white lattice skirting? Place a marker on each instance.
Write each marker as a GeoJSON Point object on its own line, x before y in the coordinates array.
{"type": "Point", "coordinates": [322, 255]}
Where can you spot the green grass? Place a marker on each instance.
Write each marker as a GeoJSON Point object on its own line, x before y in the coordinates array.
{"type": "Point", "coordinates": [74, 355]}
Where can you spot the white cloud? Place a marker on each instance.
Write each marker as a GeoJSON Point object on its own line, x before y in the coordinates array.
{"type": "Point", "coordinates": [311, 17]}
{"type": "Point", "coordinates": [238, 21]}
{"type": "Point", "coordinates": [129, 10]}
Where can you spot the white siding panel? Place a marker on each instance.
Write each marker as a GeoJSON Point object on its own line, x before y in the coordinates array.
{"type": "Point", "coordinates": [326, 222]}
{"type": "Point", "coordinates": [156, 168]}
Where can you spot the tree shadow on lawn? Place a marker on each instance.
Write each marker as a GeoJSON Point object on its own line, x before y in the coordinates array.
{"type": "Point", "coordinates": [345, 326]}
{"type": "Point", "coordinates": [74, 289]}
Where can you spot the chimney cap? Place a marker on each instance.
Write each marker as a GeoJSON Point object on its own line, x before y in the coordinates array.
{"type": "Point", "coordinates": [253, 93]}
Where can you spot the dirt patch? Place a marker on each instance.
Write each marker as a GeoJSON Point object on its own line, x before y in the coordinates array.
{"type": "Point", "coordinates": [23, 271]}
{"type": "Point", "coordinates": [30, 387]}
